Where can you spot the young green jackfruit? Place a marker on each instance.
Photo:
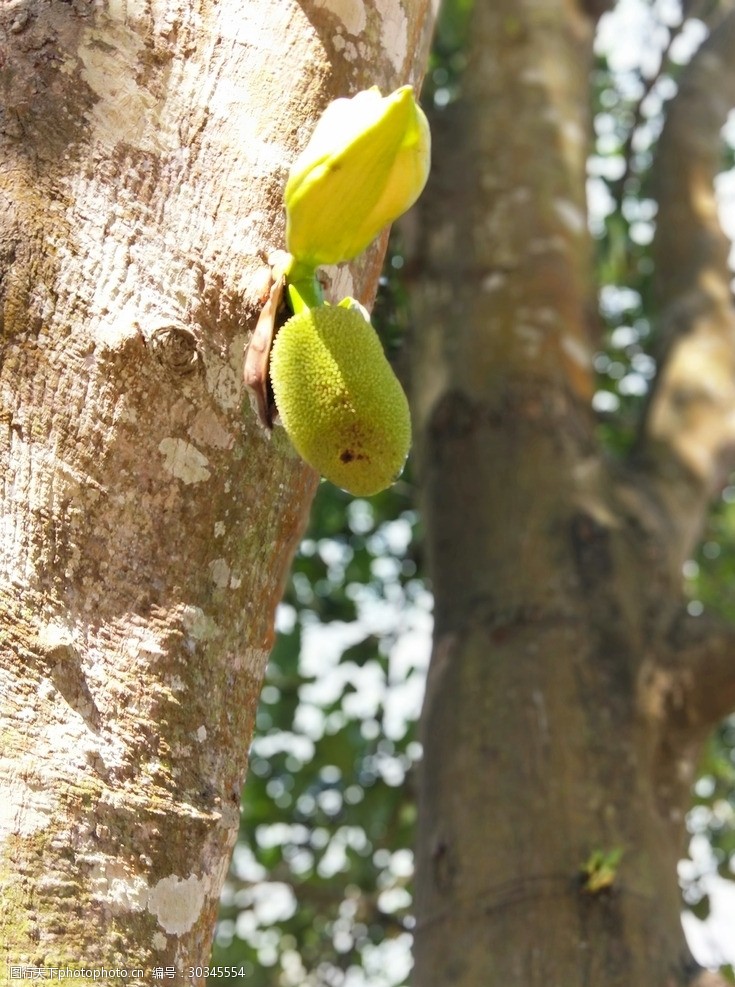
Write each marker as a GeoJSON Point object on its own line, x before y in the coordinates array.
{"type": "Point", "coordinates": [339, 400]}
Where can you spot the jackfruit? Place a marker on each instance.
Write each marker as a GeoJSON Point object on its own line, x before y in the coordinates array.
{"type": "Point", "coordinates": [339, 400]}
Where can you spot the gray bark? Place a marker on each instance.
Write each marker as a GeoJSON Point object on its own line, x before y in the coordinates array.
{"type": "Point", "coordinates": [148, 522]}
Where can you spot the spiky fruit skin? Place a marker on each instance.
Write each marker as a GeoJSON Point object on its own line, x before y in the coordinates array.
{"type": "Point", "coordinates": [339, 400]}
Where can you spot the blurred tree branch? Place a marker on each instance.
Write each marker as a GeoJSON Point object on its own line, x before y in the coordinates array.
{"type": "Point", "coordinates": [688, 431]}
{"type": "Point", "coordinates": [702, 688]}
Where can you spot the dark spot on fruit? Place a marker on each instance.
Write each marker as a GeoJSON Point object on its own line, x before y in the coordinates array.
{"type": "Point", "coordinates": [349, 456]}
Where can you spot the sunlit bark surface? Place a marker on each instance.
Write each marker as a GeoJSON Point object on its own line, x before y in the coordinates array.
{"type": "Point", "coordinates": [147, 521]}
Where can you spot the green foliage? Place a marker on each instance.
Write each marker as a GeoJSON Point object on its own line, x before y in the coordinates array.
{"type": "Point", "coordinates": [710, 582]}
{"type": "Point", "coordinates": [448, 57]}
{"type": "Point", "coordinates": [600, 870]}
{"type": "Point", "coordinates": [629, 101]}
{"type": "Point", "coordinates": [622, 218]}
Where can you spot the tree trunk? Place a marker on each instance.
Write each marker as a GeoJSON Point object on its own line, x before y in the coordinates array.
{"type": "Point", "coordinates": [148, 521]}
{"type": "Point", "coordinates": [569, 689]}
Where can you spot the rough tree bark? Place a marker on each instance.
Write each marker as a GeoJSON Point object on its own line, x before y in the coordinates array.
{"type": "Point", "coordinates": [569, 689]}
{"type": "Point", "coordinates": [147, 522]}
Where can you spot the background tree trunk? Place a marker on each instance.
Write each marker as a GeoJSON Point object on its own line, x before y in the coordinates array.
{"type": "Point", "coordinates": [147, 521]}
{"type": "Point", "coordinates": [569, 689]}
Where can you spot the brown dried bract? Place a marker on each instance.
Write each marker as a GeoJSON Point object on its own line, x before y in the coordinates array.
{"type": "Point", "coordinates": [257, 356]}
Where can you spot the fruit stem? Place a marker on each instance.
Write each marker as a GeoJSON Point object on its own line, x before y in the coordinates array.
{"type": "Point", "coordinates": [302, 287]}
